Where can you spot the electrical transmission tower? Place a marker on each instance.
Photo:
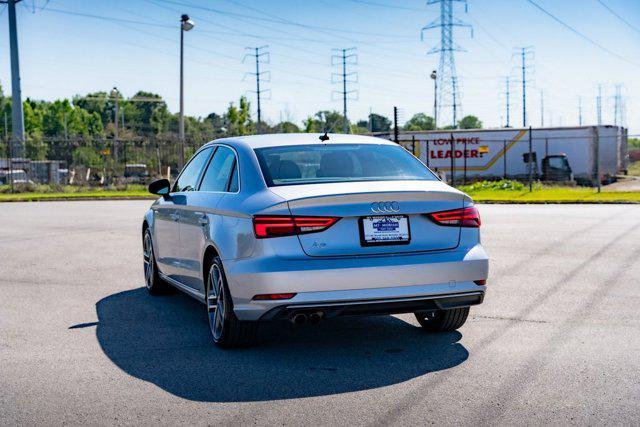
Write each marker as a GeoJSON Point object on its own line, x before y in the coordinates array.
{"type": "Point", "coordinates": [261, 56]}
{"type": "Point", "coordinates": [579, 111]}
{"type": "Point", "coordinates": [525, 54]}
{"type": "Point", "coordinates": [344, 57]}
{"type": "Point", "coordinates": [617, 102]}
{"type": "Point", "coordinates": [448, 95]}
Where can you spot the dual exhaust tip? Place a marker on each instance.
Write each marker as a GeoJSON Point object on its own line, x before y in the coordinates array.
{"type": "Point", "coordinates": [300, 318]}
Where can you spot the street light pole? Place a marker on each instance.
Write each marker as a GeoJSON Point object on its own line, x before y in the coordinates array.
{"type": "Point", "coordinates": [185, 25]}
{"type": "Point", "coordinates": [434, 76]}
{"type": "Point", "coordinates": [115, 94]}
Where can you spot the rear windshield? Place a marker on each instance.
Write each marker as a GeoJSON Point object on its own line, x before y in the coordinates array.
{"type": "Point", "coordinates": [314, 164]}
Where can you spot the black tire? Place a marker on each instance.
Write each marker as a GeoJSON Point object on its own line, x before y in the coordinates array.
{"type": "Point", "coordinates": [443, 320]}
{"type": "Point", "coordinates": [154, 284]}
{"type": "Point", "coordinates": [226, 330]}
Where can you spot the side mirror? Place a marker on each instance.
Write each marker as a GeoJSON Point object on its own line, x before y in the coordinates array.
{"type": "Point", "coordinates": [160, 187]}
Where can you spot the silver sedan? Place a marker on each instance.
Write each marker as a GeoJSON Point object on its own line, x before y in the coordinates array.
{"type": "Point", "coordinates": [304, 227]}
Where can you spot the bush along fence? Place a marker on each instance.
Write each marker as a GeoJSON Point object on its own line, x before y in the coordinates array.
{"type": "Point", "coordinates": [589, 155]}
{"type": "Point", "coordinates": [94, 162]}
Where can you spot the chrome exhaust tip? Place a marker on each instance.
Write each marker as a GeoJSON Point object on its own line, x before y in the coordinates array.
{"type": "Point", "coordinates": [315, 318]}
{"type": "Point", "coordinates": [299, 319]}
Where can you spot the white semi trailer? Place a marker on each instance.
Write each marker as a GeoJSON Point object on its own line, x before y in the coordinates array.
{"type": "Point", "coordinates": [584, 154]}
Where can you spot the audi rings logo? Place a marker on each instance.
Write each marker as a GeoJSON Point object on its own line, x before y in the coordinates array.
{"type": "Point", "coordinates": [385, 207]}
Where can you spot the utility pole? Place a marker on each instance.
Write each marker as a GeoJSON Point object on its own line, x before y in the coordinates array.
{"type": "Point", "coordinates": [524, 94]}
{"type": "Point", "coordinates": [434, 77]}
{"type": "Point", "coordinates": [525, 54]}
{"type": "Point", "coordinates": [395, 125]}
{"type": "Point", "coordinates": [541, 108]}
{"type": "Point", "coordinates": [17, 116]}
{"type": "Point", "coordinates": [531, 161]}
{"type": "Point", "coordinates": [599, 105]}
{"type": "Point", "coordinates": [9, 149]}
{"type": "Point", "coordinates": [345, 57]}
{"type": "Point", "coordinates": [449, 94]}
{"type": "Point", "coordinates": [507, 92]}
{"type": "Point", "coordinates": [115, 94]}
{"type": "Point", "coordinates": [66, 132]}
{"type": "Point", "coordinates": [579, 111]}
{"type": "Point", "coordinates": [261, 56]}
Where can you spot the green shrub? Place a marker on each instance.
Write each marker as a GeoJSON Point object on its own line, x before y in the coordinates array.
{"type": "Point", "coordinates": [504, 184]}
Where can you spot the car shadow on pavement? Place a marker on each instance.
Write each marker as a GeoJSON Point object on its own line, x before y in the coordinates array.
{"type": "Point", "coordinates": [165, 340]}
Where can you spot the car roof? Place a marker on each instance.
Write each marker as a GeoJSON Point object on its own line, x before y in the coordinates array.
{"type": "Point", "coordinates": [280, 139]}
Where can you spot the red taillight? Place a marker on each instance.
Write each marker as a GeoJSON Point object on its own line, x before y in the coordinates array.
{"type": "Point", "coordinates": [480, 282]}
{"type": "Point", "coordinates": [276, 226]}
{"type": "Point", "coordinates": [272, 297]}
{"type": "Point", "coordinates": [464, 217]}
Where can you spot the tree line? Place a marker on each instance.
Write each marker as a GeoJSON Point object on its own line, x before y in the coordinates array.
{"type": "Point", "coordinates": [146, 115]}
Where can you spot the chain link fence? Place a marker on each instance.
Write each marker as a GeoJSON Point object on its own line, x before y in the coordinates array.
{"type": "Point", "coordinates": [93, 162]}
{"type": "Point", "coordinates": [586, 155]}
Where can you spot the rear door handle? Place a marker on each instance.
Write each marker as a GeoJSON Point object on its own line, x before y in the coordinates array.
{"type": "Point", "coordinates": [175, 216]}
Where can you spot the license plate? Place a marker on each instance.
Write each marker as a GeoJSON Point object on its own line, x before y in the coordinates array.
{"type": "Point", "coordinates": [384, 230]}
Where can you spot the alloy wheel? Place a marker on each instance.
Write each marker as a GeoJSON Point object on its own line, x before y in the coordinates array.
{"type": "Point", "coordinates": [216, 302]}
{"type": "Point", "coordinates": [148, 260]}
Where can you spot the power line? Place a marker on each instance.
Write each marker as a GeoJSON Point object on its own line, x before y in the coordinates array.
{"type": "Point", "coordinates": [619, 17]}
{"type": "Point", "coordinates": [329, 31]}
{"type": "Point", "coordinates": [106, 18]}
{"type": "Point", "coordinates": [289, 71]}
{"type": "Point", "coordinates": [388, 6]}
{"type": "Point", "coordinates": [276, 19]}
{"type": "Point", "coordinates": [293, 36]}
{"type": "Point", "coordinates": [581, 35]}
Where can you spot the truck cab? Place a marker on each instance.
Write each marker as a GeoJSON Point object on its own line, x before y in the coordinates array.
{"type": "Point", "coordinates": [556, 168]}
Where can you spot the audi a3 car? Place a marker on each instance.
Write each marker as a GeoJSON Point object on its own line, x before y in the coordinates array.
{"type": "Point", "coordinates": [304, 227]}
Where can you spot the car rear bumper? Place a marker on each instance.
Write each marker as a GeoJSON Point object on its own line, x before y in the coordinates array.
{"type": "Point", "coordinates": [385, 283]}
{"type": "Point", "coordinates": [376, 307]}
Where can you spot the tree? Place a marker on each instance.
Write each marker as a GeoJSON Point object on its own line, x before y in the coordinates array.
{"type": "Point", "coordinates": [286, 127]}
{"type": "Point", "coordinates": [239, 118]}
{"type": "Point", "coordinates": [141, 109]}
{"type": "Point", "coordinates": [160, 121]}
{"type": "Point", "coordinates": [324, 121]}
{"type": "Point", "coordinates": [420, 121]}
{"type": "Point", "coordinates": [470, 122]}
{"type": "Point", "coordinates": [87, 156]}
{"type": "Point", "coordinates": [98, 102]}
{"type": "Point", "coordinates": [379, 123]}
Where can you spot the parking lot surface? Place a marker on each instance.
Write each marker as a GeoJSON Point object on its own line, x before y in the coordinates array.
{"type": "Point", "coordinates": [556, 341]}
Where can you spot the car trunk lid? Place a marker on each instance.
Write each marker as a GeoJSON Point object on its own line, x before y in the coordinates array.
{"type": "Point", "coordinates": [365, 207]}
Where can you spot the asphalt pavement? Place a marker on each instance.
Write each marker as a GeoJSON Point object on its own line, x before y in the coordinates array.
{"type": "Point", "coordinates": [557, 340]}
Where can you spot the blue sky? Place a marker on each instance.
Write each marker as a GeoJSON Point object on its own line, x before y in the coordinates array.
{"type": "Point", "coordinates": [64, 52]}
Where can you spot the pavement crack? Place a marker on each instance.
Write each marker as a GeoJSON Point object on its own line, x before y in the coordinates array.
{"type": "Point", "coordinates": [512, 319]}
